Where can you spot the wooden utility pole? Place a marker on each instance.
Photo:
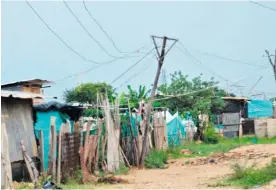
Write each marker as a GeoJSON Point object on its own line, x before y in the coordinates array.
{"type": "Point", "coordinates": [161, 57]}
{"type": "Point", "coordinates": [273, 65]}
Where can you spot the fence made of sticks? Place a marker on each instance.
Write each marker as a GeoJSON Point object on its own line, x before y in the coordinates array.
{"type": "Point", "coordinates": [101, 147]}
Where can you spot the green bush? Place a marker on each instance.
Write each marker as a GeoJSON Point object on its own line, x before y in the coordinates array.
{"type": "Point", "coordinates": [210, 136]}
{"type": "Point", "coordinates": [156, 159]}
{"type": "Point", "coordinates": [123, 170]}
{"type": "Point", "coordinates": [248, 177]}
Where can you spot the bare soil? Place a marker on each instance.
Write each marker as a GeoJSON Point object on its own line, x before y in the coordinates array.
{"type": "Point", "coordinates": [199, 174]}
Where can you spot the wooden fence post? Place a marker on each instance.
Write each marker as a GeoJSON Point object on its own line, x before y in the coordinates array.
{"type": "Point", "coordinates": [41, 143]}
{"type": "Point", "coordinates": [59, 153]}
{"type": "Point", "coordinates": [53, 150]}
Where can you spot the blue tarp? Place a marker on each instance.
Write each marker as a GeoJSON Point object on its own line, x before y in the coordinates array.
{"type": "Point", "coordinates": [260, 108]}
{"type": "Point", "coordinates": [43, 123]}
{"type": "Point", "coordinates": [175, 131]}
{"type": "Point", "coordinates": [125, 132]}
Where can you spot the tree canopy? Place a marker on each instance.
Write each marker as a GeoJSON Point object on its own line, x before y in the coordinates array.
{"type": "Point", "coordinates": [201, 95]}
{"type": "Point", "coordinates": [196, 95]}
{"type": "Point", "coordinates": [87, 93]}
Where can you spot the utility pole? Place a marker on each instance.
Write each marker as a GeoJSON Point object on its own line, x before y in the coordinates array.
{"type": "Point", "coordinates": [161, 57]}
{"type": "Point", "coordinates": [273, 65]}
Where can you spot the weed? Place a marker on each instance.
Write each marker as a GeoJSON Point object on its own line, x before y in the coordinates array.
{"type": "Point", "coordinates": [122, 170]}
{"type": "Point", "coordinates": [224, 145]}
{"type": "Point", "coordinates": [248, 177]}
{"type": "Point", "coordinates": [210, 136]}
{"type": "Point", "coordinates": [156, 159]}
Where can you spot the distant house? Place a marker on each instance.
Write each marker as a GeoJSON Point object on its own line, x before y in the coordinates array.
{"type": "Point", "coordinates": [17, 119]}
{"type": "Point", "coordinates": [32, 86]}
{"type": "Point", "coordinates": [247, 116]}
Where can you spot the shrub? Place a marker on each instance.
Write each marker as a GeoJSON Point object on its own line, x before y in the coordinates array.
{"type": "Point", "coordinates": [156, 159]}
{"type": "Point", "coordinates": [210, 136]}
{"type": "Point", "coordinates": [248, 177]}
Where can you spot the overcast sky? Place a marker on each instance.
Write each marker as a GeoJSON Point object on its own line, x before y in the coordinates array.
{"type": "Point", "coordinates": [235, 30]}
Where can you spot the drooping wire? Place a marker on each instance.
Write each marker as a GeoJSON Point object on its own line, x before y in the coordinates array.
{"type": "Point", "coordinates": [83, 72]}
{"type": "Point", "coordinates": [192, 58]}
{"type": "Point", "coordinates": [68, 46]}
{"type": "Point", "coordinates": [146, 66]}
{"type": "Point", "coordinates": [232, 60]}
{"type": "Point", "coordinates": [264, 6]}
{"type": "Point", "coordinates": [88, 33]}
{"type": "Point", "coordinates": [132, 66]}
{"type": "Point", "coordinates": [103, 30]}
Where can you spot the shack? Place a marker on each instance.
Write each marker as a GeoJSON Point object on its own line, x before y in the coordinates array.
{"type": "Point", "coordinates": [235, 109]}
{"type": "Point", "coordinates": [35, 86]}
{"type": "Point", "coordinates": [17, 124]}
{"type": "Point", "coordinates": [63, 114]}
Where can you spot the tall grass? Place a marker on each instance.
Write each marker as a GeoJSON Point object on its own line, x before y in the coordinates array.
{"type": "Point", "coordinates": [156, 159]}
{"type": "Point", "coordinates": [248, 177]}
{"type": "Point", "coordinates": [224, 145]}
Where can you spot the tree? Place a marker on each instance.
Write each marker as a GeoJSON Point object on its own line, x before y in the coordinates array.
{"type": "Point", "coordinates": [203, 96]}
{"type": "Point", "coordinates": [134, 96]}
{"type": "Point", "coordinates": [87, 93]}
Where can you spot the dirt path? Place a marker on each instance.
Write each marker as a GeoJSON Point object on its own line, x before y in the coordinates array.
{"type": "Point", "coordinates": [197, 176]}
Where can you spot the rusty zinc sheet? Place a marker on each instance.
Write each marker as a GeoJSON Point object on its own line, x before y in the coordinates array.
{"type": "Point", "coordinates": [231, 119]}
{"type": "Point", "coordinates": [17, 116]}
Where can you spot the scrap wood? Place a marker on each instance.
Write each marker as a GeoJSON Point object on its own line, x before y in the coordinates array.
{"type": "Point", "coordinates": [86, 177]}
{"type": "Point", "coordinates": [30, 165]}
{"type": "Point", "coordinates": [111, 179]}
{"type": "Point", "coordinates": [86, 144]}
{"type": "Point", "coordinates": [217, 157]}
{"type": "Point", "coordinates": [5, 169]}
{"type": "Point", "coordinates": [186, 152]}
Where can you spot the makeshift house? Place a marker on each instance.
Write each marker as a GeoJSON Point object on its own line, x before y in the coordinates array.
{"type": "Point", "coordinates": [63, 114]}
{"type": "Point", "coordinates": [230, 119]}
{"type": "Point", "coordinates": [17, 124]}
{"type": "Point", "coordinates": [261, 112]}
{"type": "Point", "coordinates": [32, 86]}
{"type": "Point", "coordinates": [243, 116]}
{"type": "Point", "coordinates": [175, 129]}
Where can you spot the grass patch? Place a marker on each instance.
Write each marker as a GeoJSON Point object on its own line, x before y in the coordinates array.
{"type": "Point", "coordinates": [156, 159]}
{"type": "Point", "coordinates": [224, 145]}
{"type": "Point", "coordinates": [248, 177]}
{"type": "Point", "coordinates": [122, 171]}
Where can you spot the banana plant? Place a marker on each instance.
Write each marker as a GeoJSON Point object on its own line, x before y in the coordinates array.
{"type": "Point", "coordinates": [135, 97]}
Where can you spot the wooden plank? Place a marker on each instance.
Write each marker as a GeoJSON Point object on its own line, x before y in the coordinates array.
{"type": "Point", "coordinates": [30, 165]}
{"type": "Point", "coordinates": [41, 143]}
{"type": "Point", "coordinates": [59, 154]}
{"type": "Point", "coordinates": [17, 116]}
{"type": "Point", "coordinates": [53, 147]}
{"type": "Point", "coordinates": [6, 173]}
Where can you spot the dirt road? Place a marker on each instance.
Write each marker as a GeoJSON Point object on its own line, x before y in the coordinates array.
{"type": "Point", "coordinates": [180, 175]}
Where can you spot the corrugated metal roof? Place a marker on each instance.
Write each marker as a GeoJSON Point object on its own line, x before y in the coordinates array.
{"type": "Point", "coordinates": [19, 94]}
{"type": "Point", "coordinates": [235, 98]}
{"type": "Point", "coordinates": [35, 81]}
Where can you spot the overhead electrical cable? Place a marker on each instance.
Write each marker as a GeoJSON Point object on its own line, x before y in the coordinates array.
{"type": "Point", "coordinates": [232, 60]}
{"type": "Point", "coordinates": [146, 66]}
{"type": "Point", "coordinates": [103, 30]}
{"type": "Point", "coordinates": [88, 33]}
{"type": "Point", "coordinates": [66, 44]}
{"type": "Point", "coordinates": [83, 72]}
{"type": "Point", "coordinates": [192, 58]}
{"type": "Point", "coordinates": [132, 66]}
{"type": "Point", "coordinates": [262, 5]}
